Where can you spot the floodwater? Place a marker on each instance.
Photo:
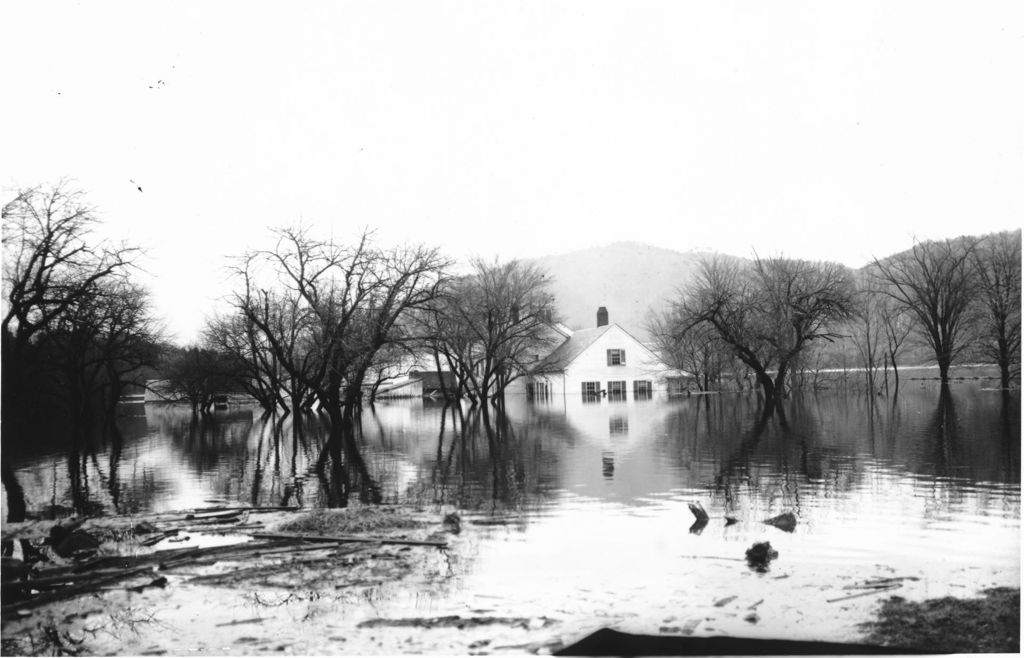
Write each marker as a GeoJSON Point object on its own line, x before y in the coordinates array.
{"type": "Point", "coordinates": [577, 514]}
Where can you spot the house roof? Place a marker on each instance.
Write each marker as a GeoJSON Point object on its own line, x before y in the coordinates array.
{"type": "Point", "coordinates": [573, 346]}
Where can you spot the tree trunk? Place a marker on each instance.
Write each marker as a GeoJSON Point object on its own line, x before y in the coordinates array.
{"type": "Point", "coordinates": [15, 494]}
{"type": "Point", "coordinates": [780, 382]}
{"type": "Point", "coordinates": [1004, 364]}
{"type": "Point", "coordinates": [895, 373]}
{"type": "Point", "coordinates": [767, 386]}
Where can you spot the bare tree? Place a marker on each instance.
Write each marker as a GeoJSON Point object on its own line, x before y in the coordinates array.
{"type": "Point", "coordinates": [75, 330]}
{"type": "Point", "coordinates": [49, 263]}
{"type": "Point", "coordinates": [490, 324]}
{"type": "Point", "coordinates": [997, 261]}
{"type": "Point", "coordinates": [694, 348]}
{"type": "Point", "coordinates": [199, 375]}
{"type": "Point", "coordinates": [897, 325]}
{"type": "Point", "coordinates": [260, 373]}
{"type": "Point", "coordinates": [767, 312]}
{"type": "Point", "coordinates": [868, 330]}
{"type": "Point", "coordinates": [341, 304]}
{"type": "Point", "coordinates": [391, 361]}
{"type": "Point", "coordinates": [935, 282]}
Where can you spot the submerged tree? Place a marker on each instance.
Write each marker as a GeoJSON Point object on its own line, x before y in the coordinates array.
{"type": "Point", "coordinates": [200, 375]}
{"type": "Point", "coordinates": [768, 311]}
{"type": "Point", "coordinates": [325, 309]}
{"type": "Point", "coordinates": [491, 325]}
{"type": "Point", "coordinates": [897, 324]}
{"type": "Point", "coordinates": [694, 348]}
{"type": "Point", "coordinates": [258, 370]}
{"type": "Point", "coordinates": [868, 330]}
{"type": "Point", "coordinates": [76, 331]}
{"type": "Point", "coordinates": [935, 283]}
{"type": "Point", "coordinates": [997, 262]}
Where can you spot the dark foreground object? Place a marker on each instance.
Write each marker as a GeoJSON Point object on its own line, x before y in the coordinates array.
{"type": "Point", "coordinates": [607, 642]}
{"type": "Point", "coordinates": [981, 625]}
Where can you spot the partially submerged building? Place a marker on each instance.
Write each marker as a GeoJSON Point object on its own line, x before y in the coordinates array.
{"type": "Point", "coordinates": [419, 384]}
{"type": "Point", "coordinates": [603, 362]}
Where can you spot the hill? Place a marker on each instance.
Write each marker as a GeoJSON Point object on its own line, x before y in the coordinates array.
{"type": "Point", "coordinates": [628, 278]}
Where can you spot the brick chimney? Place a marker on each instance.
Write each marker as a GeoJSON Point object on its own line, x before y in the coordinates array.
{"type": "Point", "coordinates": [602, 316]}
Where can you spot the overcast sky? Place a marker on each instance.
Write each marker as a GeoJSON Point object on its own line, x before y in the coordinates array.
{"type": "Point", "coordinates": [814, 129]}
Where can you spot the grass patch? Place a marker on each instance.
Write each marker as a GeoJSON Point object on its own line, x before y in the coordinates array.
{"type": "Point", "coordinates": [352, 521]}
{"type": "Point", "coordinates": [950, 625]}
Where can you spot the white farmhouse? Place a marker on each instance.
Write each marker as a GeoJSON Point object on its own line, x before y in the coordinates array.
{"type": "Point", "coordinates": [605, 362]}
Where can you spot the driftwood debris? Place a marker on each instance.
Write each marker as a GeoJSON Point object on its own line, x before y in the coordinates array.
{"type": "Point", "coordinates": [224, 512]}
{"type": "Point", "coordinates": [702, 518]}
{"type": "Point", "coordinates": [875, 586]}
{"type": "Point", "coordinates": [66, 582]}
{"type": "Point", "coordinates": [239, 622]}
{"type": "Point", "coordinates": [157, 537]}
{"type": "Point", "coordinates": [882, 582]}
{"type": "Point", "coordinates": [868, 593]}
{"type": "Point", "coordinates": [84, 585]}
{"type": "Point", "coordinates": [26, 585]}
{"type": "Point", "coordinates": [698, 511]}
{"type": "Point", "coordinates": [264, 570]}
{"type": "Point", "coordinates": [348, 538]}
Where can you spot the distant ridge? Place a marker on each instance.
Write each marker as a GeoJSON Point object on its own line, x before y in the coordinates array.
{"type": "Point", "coordinates": [629, 278]}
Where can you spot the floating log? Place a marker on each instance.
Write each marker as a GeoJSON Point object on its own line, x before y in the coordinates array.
{"type": "Point", "coordinates": [346, 538]}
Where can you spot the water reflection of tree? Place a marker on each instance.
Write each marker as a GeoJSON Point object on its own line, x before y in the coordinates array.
{"type": "Point", "coordinates": [1009, 425]}
{"type": "Point", "coordinates": [944, 428]}
{"type": "Point", "coordinates": [485, 461]}
{"type": "Point", "coordinates": [342, 469]}
{"type": "Point", "coordinates": [206, 441]}
{"type": "Point", "coordinates": [832, 443]}
{"type": "Point", "coordinates": [749, 454]}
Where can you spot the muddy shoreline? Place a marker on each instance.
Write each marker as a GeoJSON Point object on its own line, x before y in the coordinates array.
{"type": "Point", "coordinates": [250, 580]}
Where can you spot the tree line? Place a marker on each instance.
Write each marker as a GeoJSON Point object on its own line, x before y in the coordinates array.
{"type": "Point", "coordinates": [776, 318]}
{"type": "Point", "coordinates": [315, 323]}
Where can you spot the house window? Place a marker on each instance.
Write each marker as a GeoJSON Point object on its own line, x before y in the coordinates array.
{"type": "Point", "coordinates": [591, 391]}
{"type": "Point", "coordinates": [617, 391]}
{"type": "Point", "coordinates": [642, 389]}
{"type": "Point", "coordinates": [616, 357]}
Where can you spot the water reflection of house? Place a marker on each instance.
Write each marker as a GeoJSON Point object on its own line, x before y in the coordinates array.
{"type": "Point", "coordinates": [610, 451]}
{"type": "Point", "coordinates": [605, 362]}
